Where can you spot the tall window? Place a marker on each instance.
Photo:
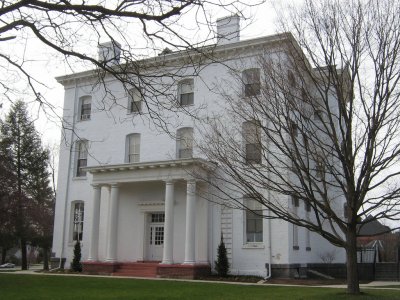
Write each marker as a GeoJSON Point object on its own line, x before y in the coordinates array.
{"type": "Point", "coordinates": [135, 101]}
{"type": "Point", "coordinates": [186, 92]}
{"type": "Point", "coordinates": [86, 107]}
{"type": "Point", "coordinates": [254, 220]}
{"type": "Point", "coordinates": [81, 157]}
{"type": "Point", "coordinates": [252, 141]}
{"type": "Point", "coordinates": [133, 147]}
{"type": "Point", "coordinates": [251, 81]}
{"type": "Point", "coordinates": [185, 142]}
{"type": "Point", "coordinates": [77, 220]}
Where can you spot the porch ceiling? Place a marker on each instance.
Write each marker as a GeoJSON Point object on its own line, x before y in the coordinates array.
{"type": "Point", "coordinates": [151, 171]}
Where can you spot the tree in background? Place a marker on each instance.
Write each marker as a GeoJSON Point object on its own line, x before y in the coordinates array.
{"type": "Point", "coordinates": [320, 125]}
{"type": "Point", "coordinates": [32, 199]}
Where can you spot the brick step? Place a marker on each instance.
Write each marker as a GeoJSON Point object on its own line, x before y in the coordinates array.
{"type": "Point", "coordinates": [137, 269]}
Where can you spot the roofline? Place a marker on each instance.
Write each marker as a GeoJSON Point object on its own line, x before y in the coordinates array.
{"type": "Point", "coordinates": [214, 48]}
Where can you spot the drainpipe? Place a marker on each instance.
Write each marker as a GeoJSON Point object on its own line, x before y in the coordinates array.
{"type": "Point", "coordinates": [269, 246]}
{"type": "Point", "coordinates": [68, 177]}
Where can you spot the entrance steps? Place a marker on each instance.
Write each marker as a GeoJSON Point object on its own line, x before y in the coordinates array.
{"type": "Point", "coordinates": [137, 269]}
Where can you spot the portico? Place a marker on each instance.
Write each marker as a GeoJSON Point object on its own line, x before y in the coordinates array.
{"type": "Point", "coordinates": [157, 229]}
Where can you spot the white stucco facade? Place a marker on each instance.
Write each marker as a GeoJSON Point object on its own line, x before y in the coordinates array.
{"type": "Point", "coordinates": [123, 201]}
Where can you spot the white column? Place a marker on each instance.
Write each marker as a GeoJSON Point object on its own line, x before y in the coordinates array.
{"type": "Point", "coordinates": [169, 223]}
{"type": "Point", "coordinates": [190, 238]}
{"type": "Point", "coordinates": [94, 240]}
{"type": "Point", "coordinates": [112, 228]}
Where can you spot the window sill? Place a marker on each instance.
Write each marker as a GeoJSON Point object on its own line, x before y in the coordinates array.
{"type": "Point", "coordinates": [253, 246]}
{"type": "Point", "coordinates": [78, 178]}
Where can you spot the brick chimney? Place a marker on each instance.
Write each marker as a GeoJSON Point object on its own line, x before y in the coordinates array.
{"type": "Point", "coordinates": [228, 30]}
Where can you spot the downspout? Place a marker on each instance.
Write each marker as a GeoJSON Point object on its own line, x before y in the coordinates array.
{"type": "Point", "coordinates": [269, 246]}
{"type": "Point", "coordinates": [68, 176]}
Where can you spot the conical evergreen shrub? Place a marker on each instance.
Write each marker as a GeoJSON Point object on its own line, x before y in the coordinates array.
{"type": "Point", "coordinates": [222, 263]}
{"type": "Point", "coordinates": [76, 264]}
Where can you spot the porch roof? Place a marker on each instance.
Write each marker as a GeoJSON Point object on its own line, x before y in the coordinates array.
{"type": "Point", "coordinates": [151, 171]}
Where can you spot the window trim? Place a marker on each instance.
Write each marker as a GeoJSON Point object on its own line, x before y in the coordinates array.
{"type": "Point", "coordinates": [251, 79]}
{"type": "Point", "coordinates": [81, 115]}
{"type": "Point", "coordinates": [78, 173]}
{"type": "Point", "coordinates": [128, 147]}
{"type": "Point", "coordinates": [253, 207]}
{"type": "Point", "coordinates": [252, 144]}
{"type": "Point", "coordinates": [181, 141]}
{"type": "Point", "coordinates": [80, 221]}
{"type": "Point", "coordinates": [190, 95]}
{"type": "Point", "coordinates": [131, 101]}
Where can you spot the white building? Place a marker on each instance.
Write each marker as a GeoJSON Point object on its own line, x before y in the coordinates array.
{"type": "Point", "coordinates": [126, 189]}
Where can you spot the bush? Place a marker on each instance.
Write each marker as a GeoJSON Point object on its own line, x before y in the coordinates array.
{"type": "Point", "coordinates": [222, 263]}
{"type": "Point", "coordinates": [76, 264]}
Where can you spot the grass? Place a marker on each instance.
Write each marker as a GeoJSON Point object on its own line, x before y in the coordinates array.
{"type": "Point", "coordinates": [18, 287]}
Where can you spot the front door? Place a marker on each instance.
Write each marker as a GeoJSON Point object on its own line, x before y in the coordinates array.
{"type": "Point", "coordinates": [156, 236]}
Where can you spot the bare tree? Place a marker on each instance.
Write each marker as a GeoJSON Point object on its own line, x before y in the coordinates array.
{"type": "Point", "coordinates": [74, 29]}
{"type": "Point", "coordinates": [322, 125]}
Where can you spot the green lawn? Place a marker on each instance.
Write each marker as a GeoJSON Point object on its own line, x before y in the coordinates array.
{"type": "Point", "coordinates": [17, 286]}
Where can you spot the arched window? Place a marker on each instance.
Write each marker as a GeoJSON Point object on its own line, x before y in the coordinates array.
{"type": "Point", "coordinates": [184, 142]}
{"type": "Point", "coordinates": [133, 148]}
{"type": "Point", "coordinates": [186, 92]}
{"type": "Point", "coordinates": [85, 108]}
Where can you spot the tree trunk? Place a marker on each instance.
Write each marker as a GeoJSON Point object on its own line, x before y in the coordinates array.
{"type": "Point", "coordinates": [353, 286]}
{"type": "Point", "coordinates": [45, 258]}
{"type": "Point", "coordinates": [24, 261]}
{"type": "Point", "coordinates": [3, 255]}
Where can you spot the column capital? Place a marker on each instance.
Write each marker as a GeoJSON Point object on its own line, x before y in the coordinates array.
{"type": "Point", "coordinates": [96, 185]}
{"type": "Point", "coordinates": [114, 185]}
{"type": "Point", "coordinates": [170, 181]}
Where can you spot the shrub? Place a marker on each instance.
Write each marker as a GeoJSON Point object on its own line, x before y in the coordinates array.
{"type": "Point", "coordinates": [222, 263]}
{"type": "Point", "coordinates": [76, 264]}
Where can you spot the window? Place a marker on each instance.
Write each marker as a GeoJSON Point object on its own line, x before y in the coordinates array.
{"type": "Point", "coordinates": [135, 101]}
{"type": "Point", "coordinates": [81, 158]}
{"type": "Point", "coordinates": [294, 130]}
{"type": "Point", "coordinates": [317, 115]}
{"type": "Point", "coordinates": [133, 148]}
{"type": "Point", "coordinates": [319, 169]}
{"type": "Point", "coordinates": [86, 107]}
{"type": "Point", "coordinates": [307, 206]}
{"type": "Point", "coordinates": [185, 142]}
{"type": "Point", "coordinates": [186, 92]}
{"type": "Point", "coordinates": [295, 237]}
{"type": "Point", "coordinates": [295, 201]}
{"type": "Point", "coordinates": [77, 220]}
{"type": "Point", "coordinates": [251, 81]}
{"type": "Point", "coordinates": [252, 141]}
{"type": "Point", "coordinates": [253, 220]}
{"type": "Point", "coordinates": [291, 79]}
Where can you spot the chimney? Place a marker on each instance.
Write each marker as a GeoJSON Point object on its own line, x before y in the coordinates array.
{"type": "Point", "coordinates": [228, 30]}
{"type": "Point", "coordinates": [109, 52]}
